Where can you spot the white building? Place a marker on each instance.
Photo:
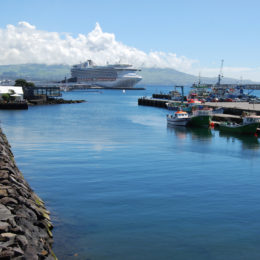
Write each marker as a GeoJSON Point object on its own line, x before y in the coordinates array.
{"type": "Point", "coordinates": [16, 92]}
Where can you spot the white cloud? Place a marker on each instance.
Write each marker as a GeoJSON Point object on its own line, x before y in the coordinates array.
{"type": "Point", "coordinates": [24, 43]}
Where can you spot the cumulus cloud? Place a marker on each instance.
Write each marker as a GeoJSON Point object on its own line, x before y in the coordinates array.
{"type": "Point", "coordinates": [24, 43]}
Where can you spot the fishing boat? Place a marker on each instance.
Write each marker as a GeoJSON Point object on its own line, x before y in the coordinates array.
{"type": "Point", "coordinates": [178, 106]}
{"type": "Point", "coordinates": [180, 118]}
{"type": "Point", "coordinates": [201, 118]}
{"type": "Point", "coordinates": [248, 126]}
{"type": "Point", "coordinates": [172, 106]}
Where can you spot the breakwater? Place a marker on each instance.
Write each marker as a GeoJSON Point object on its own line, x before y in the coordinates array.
{"type": "Point", "coordinates": [25, 226]}
{"type": "Point", "coordinates": [54, 101]}
{"type": "Point", "coordinates": [14, 105]}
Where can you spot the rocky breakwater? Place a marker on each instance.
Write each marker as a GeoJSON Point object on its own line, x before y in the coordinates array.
{"type": "Point", "coordinates": [53, 101]}
{"type": "Point", "coordinates": [25, 227]}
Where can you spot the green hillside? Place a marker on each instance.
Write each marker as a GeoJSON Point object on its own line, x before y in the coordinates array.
{"type": "Point", "coordinates": [151, 76]}
{"type": "Point", "coordinates": [35, 72]}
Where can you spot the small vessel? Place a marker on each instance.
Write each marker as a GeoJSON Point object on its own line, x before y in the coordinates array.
{"type": "Point", "coordinates": [173, 105]}
{"type": "Point", "coordinates": [178, 106]}
{"type": "Point", "coordinates": [180, 118]}
{"type": "Point", "coordinates": [248, 126]}
{"type": "Point", "coordinates": [201, 118]}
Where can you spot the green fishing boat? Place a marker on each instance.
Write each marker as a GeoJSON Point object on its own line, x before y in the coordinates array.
{"type": "Point", "coordinates": [248, 126]}
{"type": "Point", "coordinates": [201, 118]}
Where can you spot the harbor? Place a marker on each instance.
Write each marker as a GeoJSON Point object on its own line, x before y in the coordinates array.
{"type": "Point", "coordinates": [123, 133]}
{"type": "Point", "coordinates": [223, 106]}
{"type": "Point", "coordinates": [126, 168]}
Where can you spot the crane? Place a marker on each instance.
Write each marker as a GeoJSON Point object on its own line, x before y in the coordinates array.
{"type": "Point", "coordinates": [220, 76]}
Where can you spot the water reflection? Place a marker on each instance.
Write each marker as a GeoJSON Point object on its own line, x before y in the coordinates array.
{"type": "Point", "coordinates": [247, 141]}
{"type": "Point", "coordinates": [195, 133]}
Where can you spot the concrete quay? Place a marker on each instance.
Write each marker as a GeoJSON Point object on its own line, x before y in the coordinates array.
{"type": "Point", "coordinates": [233, 108]}
{"type": "Point", "coordinates": [236, 108]}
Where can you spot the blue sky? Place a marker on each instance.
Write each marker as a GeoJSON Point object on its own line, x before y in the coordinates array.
{"type": "Point", "coordinates": [205, 31]}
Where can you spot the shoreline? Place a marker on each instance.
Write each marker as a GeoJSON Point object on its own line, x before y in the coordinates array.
{"type": "Point", "coordinates": [53, 101]}
{"type": "Point", "coordinates": [25, 226]}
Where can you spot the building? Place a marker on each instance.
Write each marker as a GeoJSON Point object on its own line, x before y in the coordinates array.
{"type": "Point", "coordinates": [43, 93]}
{"type": "Point", "coordinates": [15, 92]}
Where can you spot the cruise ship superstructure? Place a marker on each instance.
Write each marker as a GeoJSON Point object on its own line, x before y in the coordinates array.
{"type": "Point", "coordinates": [109, 76]}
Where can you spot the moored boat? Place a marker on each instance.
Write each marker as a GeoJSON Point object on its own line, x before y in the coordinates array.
{"type": "Point", "coordinates": [180, 118]}
{"type": "Point", "coordinates": [248, 126]}
{"type": "Point", "coordinates": [201, 118]}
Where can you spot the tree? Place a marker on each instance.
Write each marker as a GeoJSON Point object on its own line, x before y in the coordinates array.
{"type": "Point", "coordinates": [6, 97]}
{"type": "Point", "coordinates": [23, 83]}
{"type": "Point", "coordinates": [30, 84]}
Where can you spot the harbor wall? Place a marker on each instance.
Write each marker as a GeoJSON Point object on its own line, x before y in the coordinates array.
{"type": "Point", "coordinates": [25, 226]}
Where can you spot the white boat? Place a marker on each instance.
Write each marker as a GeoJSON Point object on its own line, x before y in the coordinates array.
{"type": "Point", "coordinates": [121, 76]}
{"type": "Point", "coordinates": [180, 118]}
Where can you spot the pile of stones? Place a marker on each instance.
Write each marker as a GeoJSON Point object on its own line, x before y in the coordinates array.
{"type": "Point", "coordinates": [25, 226]}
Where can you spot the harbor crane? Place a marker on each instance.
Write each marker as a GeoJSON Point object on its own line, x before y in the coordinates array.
{"type": "Point", "coordinates": [220, 75]}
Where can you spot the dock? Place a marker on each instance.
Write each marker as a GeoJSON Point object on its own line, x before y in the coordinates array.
{"type": "Point", "coordinates": [233, 108]}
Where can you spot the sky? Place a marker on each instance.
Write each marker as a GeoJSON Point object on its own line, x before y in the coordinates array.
{"type": "Point", "coordinates": [192, 36]}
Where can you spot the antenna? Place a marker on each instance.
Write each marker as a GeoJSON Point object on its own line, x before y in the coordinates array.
{"type": "Point", "coordinates": [220, 76]}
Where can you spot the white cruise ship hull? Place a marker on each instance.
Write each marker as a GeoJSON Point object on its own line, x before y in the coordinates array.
{"type": "Point", "coordinates": [121, 76]}
{"type": "Point", "coordinates": [122, 83]}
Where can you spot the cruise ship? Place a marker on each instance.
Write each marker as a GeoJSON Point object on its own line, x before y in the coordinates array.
{"type": "Point", "coordinates": [121, 76]}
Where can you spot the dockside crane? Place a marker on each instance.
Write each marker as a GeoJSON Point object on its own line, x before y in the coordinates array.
{"type": "Point", "coordinates": [220, 76]}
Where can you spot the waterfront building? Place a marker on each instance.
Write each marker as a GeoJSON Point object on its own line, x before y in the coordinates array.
{"type": "Point", "coordinates": [14, 91]}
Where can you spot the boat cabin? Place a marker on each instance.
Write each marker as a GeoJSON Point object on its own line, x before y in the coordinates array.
{"type": "Point", "coordinates": [181, 114]}
{"type": "Point", "coordinates": [251, 119]}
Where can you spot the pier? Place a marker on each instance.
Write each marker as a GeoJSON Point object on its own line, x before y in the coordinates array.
{"type": "Point", "coordinates": [233, 108]}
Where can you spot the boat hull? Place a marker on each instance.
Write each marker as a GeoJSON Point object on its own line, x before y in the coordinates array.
{"type": "Point", "coordinates": [120, 83]}
{"type": "Point", "coordinates": [200, 121]}
{"type": "Point", "coordinates": [177, 121]}
{"type": "Point", "coordinates": [239, 129]}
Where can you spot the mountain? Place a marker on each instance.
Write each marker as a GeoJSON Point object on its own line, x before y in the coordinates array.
{"type": "Point", "coordinates": [151, 76]}
{"type": "Point", "coordinates": [35, 72]}
{"type": "Point", "coordinates": [155, 76]}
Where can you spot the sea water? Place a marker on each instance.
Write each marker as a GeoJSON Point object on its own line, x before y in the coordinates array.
{"type": "Point", "coordinates": [121, 185]}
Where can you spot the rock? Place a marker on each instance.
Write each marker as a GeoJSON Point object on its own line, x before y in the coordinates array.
{"type": "Point", "coordinates": [22, 241]}
{"type": "Point", "coordinates": [8, 201]}
{"type": "Point", "coordinates": [8, 243]}
{"type": "Point", "coordinates": [4, 174]}
{"type": "Point", "coordinates": [5, 213]}
{"type": "Point", "coordinates": [12, 193]}
{"type": "Point", "coordinates": [4, 226]}
{"type": "Point", "coordinates": [44, 253]}
{"type": "Point", "coordinates": [18, 251]}
{"type": "Point", "coordinates": [24, 221]}
{"type": "Point", "coordinates": [8, 235]}
{"type": "Point", "coordinates": [17, 230]}
{"type": "Point", "coordinates": [3, 193]}
{"type": "Point", "coordinates": [6, 254]}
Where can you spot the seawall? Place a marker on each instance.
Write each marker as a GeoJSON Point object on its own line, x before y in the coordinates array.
{"type": "Point", "coordinates": [25, 226]}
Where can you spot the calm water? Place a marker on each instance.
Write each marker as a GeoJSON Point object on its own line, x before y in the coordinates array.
{"type": "Point", "coordinates": [121, 185]}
